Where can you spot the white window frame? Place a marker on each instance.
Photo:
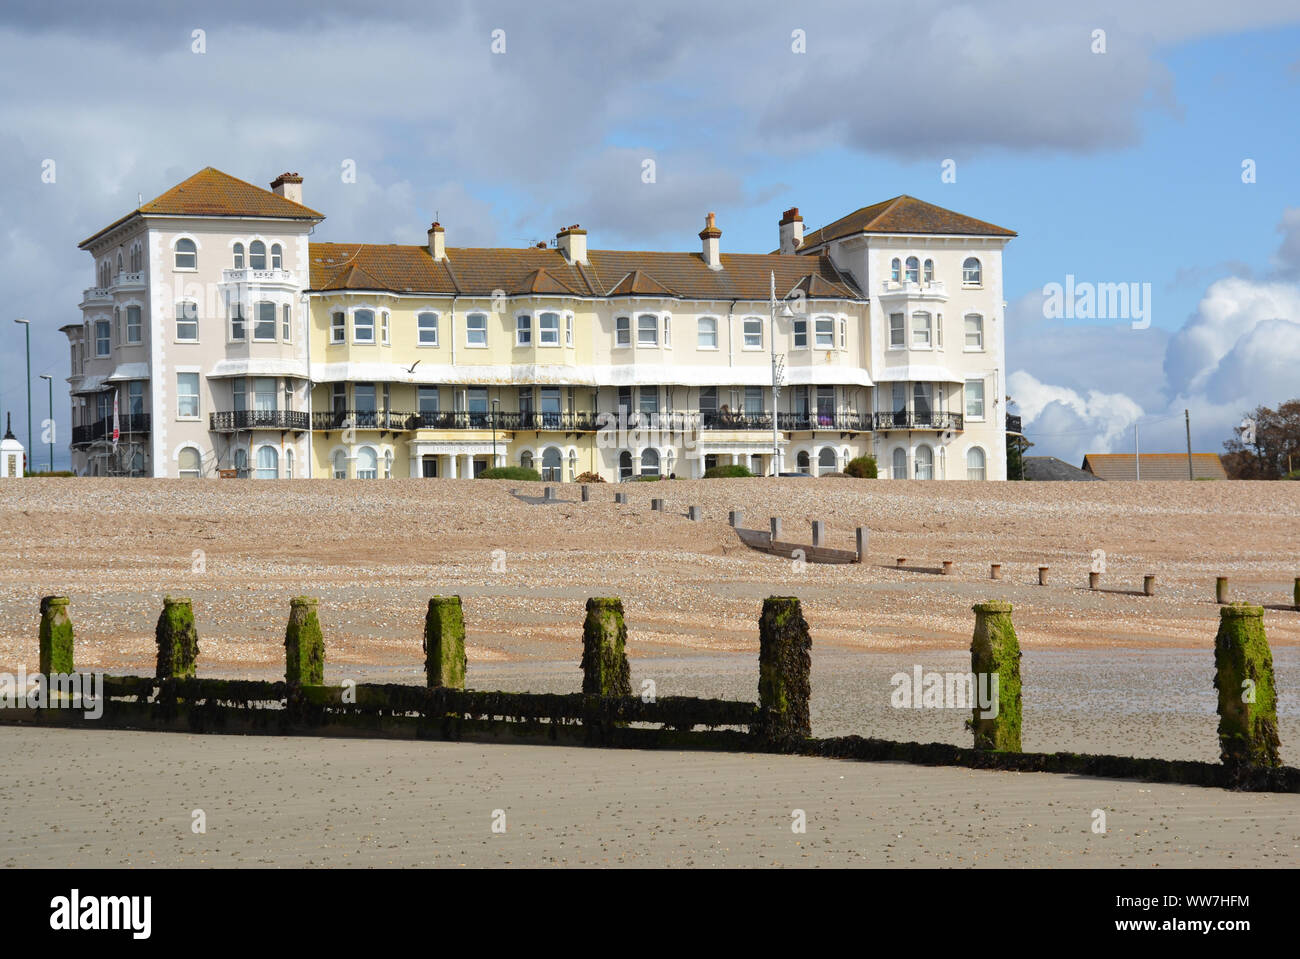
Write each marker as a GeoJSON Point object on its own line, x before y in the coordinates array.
{"type": "Point", "coordinates": [237, 318]}
{"type": "Point", "coordinates": [177, 253]}
{"type": "Point", "coordinates": [357, 327]}
{"type": "Point", "coordinates": [622, 331]}
{"type": "Point", "coordinates": [900, 328]}
{"type": "Point", "coordinates": [286, 323]}
{"type": "Point", "coordinates": [983, 470]}
{"type": "Point", "coordinates": [747, 334]}
{"type": "Point", "coordinates": [237, 255]}
{"type": "Point", "coordinates": [184, 376]}
{"type": "Point", "coordinates": [476, 328]}
{"type": "Point", "coordinates": [912, 273]}
{"type": "Point", "coordinates": [338, 327]}
{"type": "Point", "coordinates": [928, 344]}
{"type": "Point", "coordinates": [251, 254]}
{"type": "Point", "coordinates": [523, 329]}
{"type": "Point", "coordinates": [421, 329]}
{"type": "Point", "coordinates": [799, 333]}
{"type": "Point", "coordinates": [979, 332]}
{"type": "Point", "coordinates": [385, 326]}
{"type": "Point", "coordinates": [706, 326]}
{"type": "Point", "coordinates": [139, 325]}
{"type": "Point", "coordinates": [975, 417]}
{"type": "Point", "coordinates": [829, 332]}
{"type": "Point", "coordinates": [106, 339]}
{"type": "Point", "coordinates": [652, 329]}
{"type": "Point", "coordinates": [258, 321]}
{"type": "Point", "coordinates": [182, 318]}
{"type": "Point", "coordinates": [277, 256]}
{"type": "Point", "coordinates": [568, 329]}
{"type": "Point", "coordinates": [542, 330]}
{"type": "Point", "coordinates": [844, 334]}
{"type": "Point", "coordinates": [967, 273]}
{"type": "Point", "coordinates": [197, 472]}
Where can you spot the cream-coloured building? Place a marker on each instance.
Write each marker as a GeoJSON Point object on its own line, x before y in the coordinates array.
{"type": "Point", "coordinates": [236, 346]}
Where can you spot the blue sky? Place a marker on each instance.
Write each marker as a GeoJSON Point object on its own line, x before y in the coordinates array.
{"type": "Point", "coordinates": [1122, 166]}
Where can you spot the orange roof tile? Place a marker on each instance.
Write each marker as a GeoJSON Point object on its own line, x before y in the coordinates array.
{"type": "Point", "coordinates": [904, 214]}
{"type": "Point", "coordinates": [1155, 466]}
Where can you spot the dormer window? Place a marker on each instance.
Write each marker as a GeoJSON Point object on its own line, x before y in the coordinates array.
{"type": "Point", "coordinates": [239, 256]}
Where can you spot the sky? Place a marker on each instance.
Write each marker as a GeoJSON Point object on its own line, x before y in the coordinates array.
{"type": "Point", "coordinates": [1162, 152]}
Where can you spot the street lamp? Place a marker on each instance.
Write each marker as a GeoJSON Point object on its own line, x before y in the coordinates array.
{"type": "Point", "coordinates": [496, 403]}
{"type": "Point", "coordinates": [776, 379]}
{"type": "Point", "coordinates": [50, 380]}
{"type": "Point", "coordinates": [28, 327]}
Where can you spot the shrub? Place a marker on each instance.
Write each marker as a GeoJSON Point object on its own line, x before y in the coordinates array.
{"type": "Point", "coordinates": [732, 471]}
{"type": "Point", "coordinates": [511, 473]}
{"type": "Point", "coordinates": [589, 478]}
{"type": "Point", "coordinates": [648, 479]}
{"type": "Point", "coordinates": [862, 467]}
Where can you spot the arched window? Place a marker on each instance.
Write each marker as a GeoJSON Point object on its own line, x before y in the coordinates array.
{"type": "Point", "coordinates": [972, 274]}
{"type": "Point", "coordinates": [826, 461]}
{"type": "Point", "coordinates": [367, 463]}
{"type": "Point", "coordinates": [103, 275]}
{"type": "Point", "coordinates": [188, 464]}
{"type": "Point", "coordinates": [268, 463]}
{"type": "Point", "coordinates": [257, 255]}
{"type": "Point", "coordinates": [649, 462]}
{"type": "Point", "coordinates": [895, 269]}
{"type": "Point", "coordinates": [277, 257]}
{"type": "Point", "coordinates": [924, 463]}
{"type": "Point", "coordinates": [526, 459]}
{"type": "Point", "coordinates": [707, 335]}
{"type": "Point", "coordinates": [913, 273]}
{"type": "Point", "coordinates": [975, 461]}
{"type": "Point", "coordinates": [624, 465]}
{"type": "Point", "coordinates": [340, 465]}
{"type": "Point", "coordinates": [551, 462]}
{"type": "Point", "coordinates": [900, 463]}
{"type": "Point", "coordinates": [187, 254]}
{"type": "Point", "coordinates": [802, 461]}
{"type": "Point", "coordinates": [929, 271]}
{"type": "Point", "coordinates": [288, 463]}
{"type": "Point", "coordinates": [137, 259]}
{"type": "Point", "coordinates": [119, 262]}
{"type": "Point", "coordinates": [239, 256]}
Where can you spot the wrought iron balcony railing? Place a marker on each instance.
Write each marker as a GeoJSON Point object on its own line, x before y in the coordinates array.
{"type": "Point", "coordinates": [843, 421]}
{"type": "Point", "coordinates": [228, 421]}
{"type": "Point", "coordinates": [918, 420]}
{"type": "Point", "coordinates": [103, 429]}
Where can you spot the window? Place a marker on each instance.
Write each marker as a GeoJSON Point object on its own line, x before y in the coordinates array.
{"type": "Point", "coordinates": [972, 274]}
{"type": "Point", "coordinates": [103, 275]}
{"type": "Point", "coordinates": [187, 320]}
{"type": "Point", "coordinates": [187, 255]}
{"type": "Point", "coordinates": [264, 320]}
{"type": "Point", "coordinates": [753, 333]}
{"type": "Point", "coordinates": [241, 462]}
{"type": "Point", "coordinates": [568, 330]}
{"type": "Point", "coordinates": [188, 464]}
{"type": "Point", "coordinates": [238, 394]}
{"type": "Point", "coordinates": [288, 463]}
{"type": "Point", "coordinates": [649, 462]}
{"type": "Point", "coordinates": [624, 465]}
{"type": "Point", "coordinates": [923, 402]}
{"type": "Point", "coordinates": [668, 331]}
{"type": "Point", "coordinates": [913, 270]}
{"type": "Point", "coordinates": [187, 395]}
{"type": "Point", "coordinates": [974, 331]}
{"type": "Point", "coordinates": [103, 334]}
{"type": "Point", "coordinates": [526, 459]}
{"type": "Point", "coordinates": [340, 465]}
{"type": "Point", "coordinates": [367, 463]}
{"type": "Point", "coordinates": [647, 330]}
{"type": "Point", "coordinates": [897, 331]}
{"type": "Point", "coordinates": [844, 334]}
{"type": "Point", "coordinates": [924, 463]}
{"type": "Point", "coordinates": [900, 464]}
{"type": "Point", "coordinates": [920, 331]}
{"type": "Point", "coordinates": [708, 403]}
{"type": "Point", "coordinates": [363, 326]}
{"type": "Point", "coordinates": [238, 254]}
{"type": "Point", "coordinates": [706, 333]}
{"type": "Point", "coordinates": [257, 255]}
{"type": "Point", "coordinates": [523, 330]}
{"type": "Point", "coordinates": [753, 400]}
{"type": "Point", "coordinates": [119, 262]}
{"type": "Point", "coordinates": [548, 329]}
{"type": "Point", "coordinates": [383, 328]}
{"type": "Point", "coordinates": [277, 257]}
{"type": "Point", "coordinates": [268, 465]}
{"type": "Point", "coordinates": [237, 321]}
{"type": "Point", "coordinates": [929, 271]}
{"type": "Point", "coordinates": [137, 259]}
{"type": "Point", "coordinates": [427, 398]}
{"type": "Point", "coordinates": [135, 397]}
{"type": "Point", "coordinates": [427, 324]}
{"type": "Point", "coordinates": [649, 402]}
{"type": "Point", "coordinates": [551, 464]}
{"type": "Point", "coordinates": [825, 333]}
{"type": "Point", "coordinates": [286, 324]}
{"type": "Point", "coordinates": [826, 461]}
{"type": "Point", "coordinates": [476, 329]}
{"type": "Point", "coordinates": [338, 324]}
{"type": "Point", "coordinates": [264, 393]}
{"type": "Point", "coordinates": [895, 269]}
{"type": "Point", "coordinates": [975, 463]}
{"type": "Point", "coordinates": [801, 462]}
{"type": "Point", "coordinates": [975, 399]}
{"type": "Point", "coordinates": [800, 334]}
{"type": "Point", "coordinates": [623, 331]}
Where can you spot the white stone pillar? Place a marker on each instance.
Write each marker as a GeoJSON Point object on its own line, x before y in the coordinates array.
{"type": "Point", "coordinates": [451, 466]}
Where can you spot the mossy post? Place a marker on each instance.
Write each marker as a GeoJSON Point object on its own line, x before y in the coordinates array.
{"type": "Point", "coordinates": [55, 636]}
{"type": "Point", "coordinates": [444, 643]}
{"type": "Point", "coordinates": [994, 650]}
{"type": "Point", "coordinates": [605, 670]}
{"type": "Point", "coordinates": [304, 646]}
{"type": "Point", "coordinates": [784, 664]}
{"type": "Point", "coordinates": [1247, 697]}
{"type": "Point", "coordinates": [178, 640]}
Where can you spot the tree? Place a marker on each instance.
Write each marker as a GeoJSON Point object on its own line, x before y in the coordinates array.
{"type": "Point", "coordinates": [1266, 445]}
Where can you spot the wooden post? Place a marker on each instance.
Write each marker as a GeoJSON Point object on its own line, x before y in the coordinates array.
{"type": "Point", "coordinates": [620, 498]}
{"type": "Point", "coordinates": [605, 670]}
{"type": "Point", "coordinates": [900, 561]}
{"type": "Point", "coordinates": [586, 492]}
{"type": "Point", "coordinates": [1094, 580]}
{"type": "Point", "coordinates": [1042, 575]}
{"type": "Point", "coordinates": [177, 639]}
{"type": "Point", "coordinates": [1243, 663]}
{"type": "Point", "coordinates": [995, 652]}
{"type": "Point", "coordinates": [55, 636]}
{"type": "Point", "coordinates": [818, 532]}
{"type": "Point", "coordinates": [776, 528]}
{"type": "Point", "coordinates": [693, 513]}
{"type": "Point", "coordinates": [1221, 590]}
{"type": "Point", "coordinates": [735, 518]}
{"type": "Point", "coordinates": [947, 567]}
{"type": "Point", "coordinates": [995, 571]}
{"type": "Point", "coordinates": [304, 646]}
{"type": "Point", "coordinates": [1149, 584]}
{"type": "Point", "coordinates": [784, 664]}
{"type": "Point", "coordinates": [863, 537]}
{"type": "Point", "coordinates": [444, 643]}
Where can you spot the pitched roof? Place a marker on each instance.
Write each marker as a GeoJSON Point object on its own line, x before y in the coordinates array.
{"type": "Point", "coordinates": [904, 214]}
{"type": "Point", "coordinates": [1048, 468]}
{"type": "Point", "coordinates": [1155, 466]}
{"type": "Point", "coordinates": [608, 273]}
{"type": "Point", "coordinates": [213, 193]}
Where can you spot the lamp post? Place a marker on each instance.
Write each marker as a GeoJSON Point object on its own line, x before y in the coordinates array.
{"type": "Point", "coordinates": [496, 403]}
{"type": "Point", "coordinates": [50, 382]}
{"type": "Point", "coordinates": [27, 326]}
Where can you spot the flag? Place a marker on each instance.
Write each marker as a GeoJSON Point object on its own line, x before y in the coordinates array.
{"type": "Point", "coordinates": [117, 429]}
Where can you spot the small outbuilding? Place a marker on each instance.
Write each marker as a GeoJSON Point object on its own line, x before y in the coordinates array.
{"type": "Point", "coordinates": [13, 458]}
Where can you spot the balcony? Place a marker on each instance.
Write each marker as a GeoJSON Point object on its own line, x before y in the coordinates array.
{"type": "Point", "coordinates": [96, 295]}
{"type": "Point", "coordinates": [103, 430]}
{"type": "Point", "coordinates": [891, 289]}
{"type": "Point", "coordinates": [1013, 425]}
{"type": "Point", "coordinates": [845, 422]}
{"type": "Point", "coordinates": [914, 420]}
{"type": "Point", "coordinates": [130, 281]}
{"type": "Point", "coordinates": [232, 420]}
{"type": "Point", "coordinates": [257, 277]}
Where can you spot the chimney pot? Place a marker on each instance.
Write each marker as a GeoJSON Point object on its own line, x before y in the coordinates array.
{"type": "Point", "coordinates": [289, 186]}
{"type": "Point", "coordinates": [572, 242]}
{"type": "Point", "coordinates": [710, 237]}
{"type": "Point", "coordinates": [437, 242]}
{"type": "Point", "coordinates": [791, 230]}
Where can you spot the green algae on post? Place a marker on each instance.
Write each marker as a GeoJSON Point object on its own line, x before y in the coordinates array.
{"type": "Point", "coordinates": [605, 670]}
{"type": "Point", "coordinates": [1243, 675]}
{"type": "Point", "coordinates": [784, 665]}
{"type": "Point", "coordinates": [995, 651]}
{"type": "Point", "coordinates": [55, 636]}
{"type": "Point", "coordinates": [178, 640]}
{"type": "Point", "coordinates": [304, 646]}
{"type": "Point", "coordinates": [444, 643]}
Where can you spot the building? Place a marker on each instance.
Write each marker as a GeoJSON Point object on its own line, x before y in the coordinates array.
{"type": "Point", "coordinates": [1153, 466]}
{"type": "Point", "coordinates": [1048, 469]}
{"type": "Point", "coordinates": [235, 345]}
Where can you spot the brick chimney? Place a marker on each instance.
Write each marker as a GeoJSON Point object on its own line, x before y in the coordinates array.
{"type": "Point", "coordinates": [573, 243]}
{"type": "Point", "coordinates": [711, 235]}
{"type": "Point", "coordinates": [437, 242]}
{"type": "Point", "coordinates": [791, 230]}
{"type": "Point", "coordinates": [289, 186]}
